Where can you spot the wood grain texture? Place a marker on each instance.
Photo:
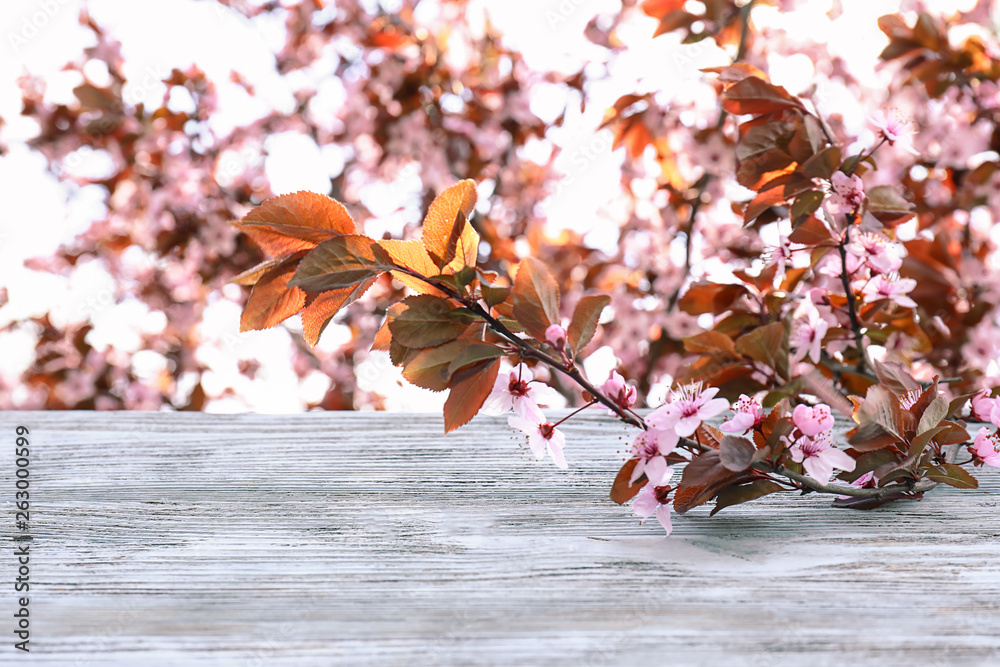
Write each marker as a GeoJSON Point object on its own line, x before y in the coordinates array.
{"type": "Point", "coordinates": [369, 538]}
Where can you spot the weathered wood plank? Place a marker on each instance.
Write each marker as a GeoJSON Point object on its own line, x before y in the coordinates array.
{"type": "Point", "coordinates": [363, 538]}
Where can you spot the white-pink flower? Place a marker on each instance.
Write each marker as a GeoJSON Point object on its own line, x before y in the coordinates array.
{"type": "Point", "coordinates": [894, 129]}
{"type": "Point", "coordinates": [876, 251]}
{"type": "Point", "coordinates": [650, 448]}
{"type": "Point", "coordinates": [542, 437]}
{"type": "Point", "coordinates": [555, 335]}
{"type": "Point", "coordinates": [689, 406]}
{"type": "Point", "coordinates": [868, 480]}
{"type": "Point", "coordinates": [516, 391]}
{"type": "Point", "coordinates": [985, 408]}
{"type": "Point", "coordinates": [653, 500]}
{"type": "Point", "coordinates": [848, 193]}
{"type": "Point", "coordinates": [987, 447]}
{"type": "Point", "coordinates": [807, 335]}
{"type": "Point", "coordinates": [890, 287]}
{"type": "Point", "coordinates": [749, 413]}
{"type": "Point", "coordinates": [618, 391]}
{"type": "Point", "coordinates": [813, 420]}
{"type": "Point", "coordinates": [819, 457]}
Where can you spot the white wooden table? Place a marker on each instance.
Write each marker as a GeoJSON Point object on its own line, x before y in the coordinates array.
{"type": "Point", "coordinates": [370, 538]}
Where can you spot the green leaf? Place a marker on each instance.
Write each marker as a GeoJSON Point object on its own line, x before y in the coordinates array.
{"type": "Point", "coordinates": [741, 493]}
{"type": "Point", "coordinates": [426, 321]}
{"type": "Point", "coordinates": [536, 297]}
{"type": "Point", "coordinates": [341, 262]}
{"type": "Point", "coordinates": [953, 475]}
{"type": "Point", "coordinates": [586, 315]}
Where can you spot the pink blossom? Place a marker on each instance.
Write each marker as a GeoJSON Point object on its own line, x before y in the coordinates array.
{"type": "Point", "coordinates": [890, 287]}
{"type": "Point", "coordinates": [848, 193]}
{"type": "Point", "coordinates": [813, 421]}
{"type": "Point", "coordinates": [807, 335]}
{"type": "Point", "coordinates": [894, 129]}
{"type": "Point", "coordinates": [515, 391]}
{"type": "Point", "coordinates": [987, 447]}
{"type": "Point", "coordinates": [876, 251]}
{"type": "Point", "coordinates": [985, 408]}
{"type": "Point", "coordinates": [542, 437]}
{"type": "Point", "coordinates": [749, 414]}
{"type": "Point", "coordinates": [819, 457]}
{"type": "Point", "coordinates": [653, 500]}
{"type": "Point", "coordinates": [689, 406]}
{"type": "Point", "coordinates": [868, 480]}
{"type": "Point", "coordinates": [618, 391]}
{"type": "Point", "coordinates": [555, 335]}
{"type": "Point", "coordinates": [650, 448]}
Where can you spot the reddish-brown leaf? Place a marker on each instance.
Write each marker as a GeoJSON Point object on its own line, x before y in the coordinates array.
{"type": "Point", "coordinates": [707, 297]}
{"type": "Point", "coordinates": [469, 389]}
{"type": "Point", "coordinates": [586, 315]}
{"type": "Point", "coordinates": [341, 262]}
{"type": "Point", "coordinates": [536, 297]}
{"type": "Point", "coordinates": [272, 300]}
{"type": "Point", "coordinates": [412, 255]}
{"type": "Point", "coordinates": [702, 479]}
{"type": "Point", "coordinates": [450, 210]}
{"type": "Point", "coordinates": [621, 490]}
{"type": "Point", "coordinates": [754, 96]}
{"type": "Point", "coordinates": [297, 221]}
{"type": "Point", "coordinates": [321, 308]}
{"type": "Point", "coordinates": [429, 368]}
{"type": "Point", "coordinates": [426, 321]}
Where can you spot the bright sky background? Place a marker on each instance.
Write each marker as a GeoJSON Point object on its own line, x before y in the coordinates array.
{"type": "Point", "coordinates": [40, 36]}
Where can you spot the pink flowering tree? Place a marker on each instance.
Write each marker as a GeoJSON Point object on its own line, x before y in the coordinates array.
{"type": "Point", "coordinates": [776, 264]}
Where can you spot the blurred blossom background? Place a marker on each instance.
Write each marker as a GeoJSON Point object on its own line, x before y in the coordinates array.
{"type": "Point", "coordinates": [131, 133]}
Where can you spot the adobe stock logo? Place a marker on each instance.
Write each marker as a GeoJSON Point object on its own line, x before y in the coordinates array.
{"type": "Point", "coordinates": [30, 25]}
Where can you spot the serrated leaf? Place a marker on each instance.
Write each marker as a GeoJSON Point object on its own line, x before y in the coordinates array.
{"type": "Point", "coordinates": [296, 221]}
{"type": "Point", "coordinates": [586, 316]}
{"type": "Point", "coordinates": [952, 475]}
{"type": "Point", "coordinates": [702, 479]}
{"type": "Point", "coordinates": [425, 321]}
{"type": "Point", "coordinates": [413, 256]}
{"type": "Point", "coordinates": [446, 223]}
{"type": "Point", "coordinates": [708, 297]}
{"type": "Point", "coordinates": [341, 262]}
{"type": "Point", "coordinates": [536, 297]}
{"type": "Point", "coordinates": [321, 308]}
{"type": "Point", "coordinates": [473, 354]}
{"type": "Point", "coordinates": [754, 96]}
{"type": "Point", "coordinates": [492, 294]}
{"type": "Point", "coordinates": [741, 493]}
{"type": "Point", "coordinates": [621, 490]}
{"type": "Point", "coordinates": [252, 275]}
{"type": "Point", "coordinates": [429, 367]}
{"type": "Point", "coordinates": [469, 390]}
{"type": "Point", "coordinates": [768, 345]}
{"type": "Point", "coordinates": [711, 342]}
{"type": "Point", "coordinates": [272, 300]}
